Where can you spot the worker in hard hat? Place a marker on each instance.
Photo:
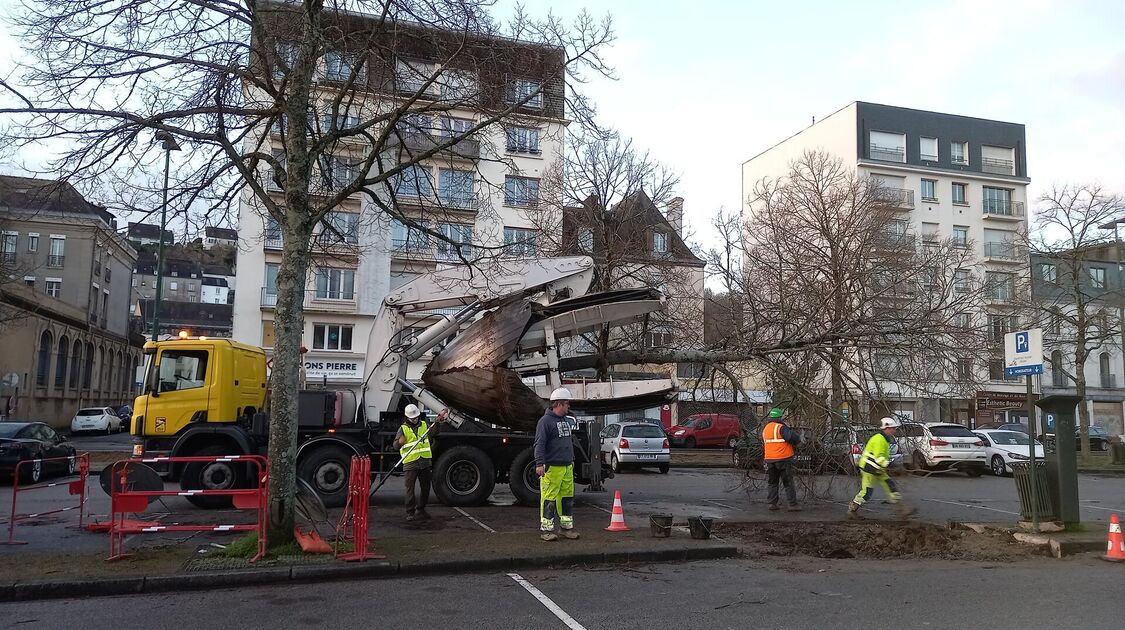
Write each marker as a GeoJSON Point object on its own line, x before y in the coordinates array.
{"type": "Point", "coordinates": [873, 465]}
{"type": "Point", "coordinates": [780, 447]}
{"type": "Point", "coordinates": [413, 442]}
{"type": "Point", "coordinates": [554, 463]}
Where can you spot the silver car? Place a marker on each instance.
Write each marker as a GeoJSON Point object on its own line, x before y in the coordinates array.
{"type": "Point", "coordinates": [635, 444]}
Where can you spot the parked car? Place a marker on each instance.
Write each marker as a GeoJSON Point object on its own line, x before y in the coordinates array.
{"type": "Point", "coordinates": [125, 412]}
{"type": "Point", "coordinates": [707, 429]}
{"type": "Point", "coordinates": [101, 419]}
{"type": "Point", "coordinates": [24, 441]}
{"type": "Point", "coordinates": [1006, 426]}
{"type": "Point", "coordinates": [846, 444]}
{"type": "Point", "coordinates": [635, 444]}
{"type": "Point", "coordinates": [837, 450]}
{"type": "Point", "coordinates": [1006, 447]}
{"type": "Point", "coordinates": [654, 422]}
{"type": "Point", "coordinates": [942, 445]}
{"type": "Point", "coordinates": [1099, 439]}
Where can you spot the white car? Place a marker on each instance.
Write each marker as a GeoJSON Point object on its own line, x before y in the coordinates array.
{"type": "Point", "coordinates": [1007, 447]}
{"type": "Point", "coordinates": [100, 419]}
{"type": "Point", "coordinates": [635, 444]}
{"type": "Point", "coordinates": [942, 445]}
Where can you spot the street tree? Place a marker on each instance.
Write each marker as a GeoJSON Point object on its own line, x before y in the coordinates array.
{"type": "Point", "coordinates": [292, 107]}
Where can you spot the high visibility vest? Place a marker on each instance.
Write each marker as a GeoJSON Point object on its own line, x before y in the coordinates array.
{"type": "Point", "coordinates": [876, 454]}
{"type": "Point", "coordinates": [776, 446]}
{"type": "Point", "coordinates": [422, 450]}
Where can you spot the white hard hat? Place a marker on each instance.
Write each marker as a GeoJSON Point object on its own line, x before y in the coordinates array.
{"type": "Point", "coordinates": [561, 393]}
{"type": "Point", "coordinates": [889, 422]}
{"type": "Point", "coordinates": [412, 411]}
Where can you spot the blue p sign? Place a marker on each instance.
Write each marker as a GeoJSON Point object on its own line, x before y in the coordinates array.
{"type": "Point", "coordinates": [1023, 342]}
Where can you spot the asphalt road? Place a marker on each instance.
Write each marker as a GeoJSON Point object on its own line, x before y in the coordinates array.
{"type": "Point", "coordinates": [122, 442]}
{"type": "Point", "coordinates": [792, 593]}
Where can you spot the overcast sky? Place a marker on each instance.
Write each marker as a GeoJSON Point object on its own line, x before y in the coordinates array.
{"type": "Point", "coordinates": [706, 84]}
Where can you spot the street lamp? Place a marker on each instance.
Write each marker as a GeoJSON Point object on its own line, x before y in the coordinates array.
{"type": "Point", "coordinates": [168, 143]}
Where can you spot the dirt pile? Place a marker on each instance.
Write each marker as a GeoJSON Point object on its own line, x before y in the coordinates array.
{"type": "Point", "coordinates": [868, 539]}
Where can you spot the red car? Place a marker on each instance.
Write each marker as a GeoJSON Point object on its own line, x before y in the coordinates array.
{"type": "Point", "coordinates": [707, 429]}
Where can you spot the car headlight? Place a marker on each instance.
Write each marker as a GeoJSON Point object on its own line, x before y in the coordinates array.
{"type": "Point", "coordinates": [1018, 456]}
{"type": "Point", "coordinates": [680, 432]}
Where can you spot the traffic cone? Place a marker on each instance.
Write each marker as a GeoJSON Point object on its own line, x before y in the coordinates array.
{"type": "Point", "coordinates": [1115, 546]}
{"type": "Point", "coordinates": [617, 519]}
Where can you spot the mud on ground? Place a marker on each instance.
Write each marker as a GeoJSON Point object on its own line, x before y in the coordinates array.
{"type": "Point", "coordinates": [870, 540]}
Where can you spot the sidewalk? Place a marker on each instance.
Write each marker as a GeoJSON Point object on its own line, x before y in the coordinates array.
{"type": "Point", "coordinates": [1059, 544]}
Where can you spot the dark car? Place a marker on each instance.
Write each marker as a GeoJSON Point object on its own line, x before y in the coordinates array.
{"type": "Point", "coordinates": [1099, 439]}
{"type": "Point", "coordinates": [125, 412]}
{"type": "Point", "coordinates": [29, 441]}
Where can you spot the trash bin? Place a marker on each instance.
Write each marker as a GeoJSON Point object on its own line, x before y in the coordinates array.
{"type": "Point", "coordinates": [1045, 499]}
{"type": "Point", "coordinates": [1118, 453]}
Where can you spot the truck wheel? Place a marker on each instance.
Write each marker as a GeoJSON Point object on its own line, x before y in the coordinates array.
{"type": "Point", "coordinates": [212, 476]}
{"type": "Point", "coordinates": [522, 479]}
{"type": "Point", "coordinates": [327, 470]}
{"type": "Point", "coordinates": [464, 476]}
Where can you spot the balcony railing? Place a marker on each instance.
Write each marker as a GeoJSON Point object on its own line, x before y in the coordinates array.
{"type": "Point", "coordinates": [1004, 251]}
{"type": "Point", "coordinates": [55, 261]}
{"type": "Point", "coordinates": [1109, 381]}
{"type": "Point", "coordinates": [415, 142]}
{"type": "Point", "coordinates": [926, 157]}
{"type": "Point", "coordinates": [272, 242]}
{"type": "Point", "coordinates": [458, 201]}
{"type": "Point", "coordinates": [888, 154]}
{"type": "Point", "coordinates": [314, 300]}
{"type": "Point", "coordinates": [1003, 208]}
{"type": "Point", "coordinates": [998, 167]}
{"type": "Point", "coordinates": [899, 197]}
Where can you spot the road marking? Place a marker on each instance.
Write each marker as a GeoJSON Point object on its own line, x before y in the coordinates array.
{"type": "Point", "coordinates": [729, 507]}
{"type": "Point", "coordinates": [546, 601]}
{"type": "Point", "coordinates": [1094, 507]}
{"type": "Point", "coordinates": [594, 505]}
{"type": "Point", "coordinates": [468, 516]}
{"type": "Point", "coordinates": [969, 505]}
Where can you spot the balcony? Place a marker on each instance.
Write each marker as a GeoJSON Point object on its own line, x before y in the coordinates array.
{"type": "Point", "coordinates": [1003, 209]}
{"type": "Point", "coordinates": [272, 242]}
{"type": "Point", "coordinates": [327, 302]}
{"type": "Point", "coordinates": [55, 261]}
{"type": "Point", "coordinates": [898, 197]}
{"type": "Point", "coordinates": [998, 167]}
{"type": "Point", "coordinates": [467, 148]}
{"type": "Point", "coordinates": [1004, 253]}
{"type": "Point", "coordinates": [887, 154]}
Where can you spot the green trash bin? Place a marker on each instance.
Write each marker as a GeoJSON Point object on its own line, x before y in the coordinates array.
{"type": "Point", "coordinates": [1045, 499]}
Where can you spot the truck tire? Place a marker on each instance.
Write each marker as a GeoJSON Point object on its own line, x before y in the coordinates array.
{"type": "Point", "coordinates": [327, 470]}
{"type": "Point", "coordinates": [522, 479]}
{"type": "Point", "coordinates": [464, 476]}
{"type": "Point", "coordinates": [212, 476]}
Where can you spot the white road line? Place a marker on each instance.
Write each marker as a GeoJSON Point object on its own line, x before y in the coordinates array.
{"type": "Point", "coordinates": [546, 601]}
{"type": "Point", "coordinates": [968, 505]}
{"type": "Point", "coordinates": [1094, 507]}
{"type": "Point", "coordinates": [729, 507]}
{"type": "Point", "coordinates": [468, 516]}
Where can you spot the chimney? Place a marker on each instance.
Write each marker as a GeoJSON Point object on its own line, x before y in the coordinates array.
{"type": "Point", "coordinates": [675, 214]}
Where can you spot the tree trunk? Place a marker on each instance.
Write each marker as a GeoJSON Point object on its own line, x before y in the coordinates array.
{"type": "Point", "coordinates": [1080, 389]}
{"type": "Point", "coordinates": [289, 323]}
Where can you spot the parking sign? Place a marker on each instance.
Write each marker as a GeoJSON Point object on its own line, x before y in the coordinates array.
{"type": "Point", "coordinates": [1023, 352]}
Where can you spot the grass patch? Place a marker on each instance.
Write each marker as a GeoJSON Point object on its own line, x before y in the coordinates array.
{"type": "Point", "coordinates": [246, 546]}
{"type": "Point", "coordinates": [1099, 461]}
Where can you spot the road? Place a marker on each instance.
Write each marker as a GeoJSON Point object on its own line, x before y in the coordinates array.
{"type": "Point", "coordinates": [740, 593]}
{"type": "Point", "coordinates": [122, 442]}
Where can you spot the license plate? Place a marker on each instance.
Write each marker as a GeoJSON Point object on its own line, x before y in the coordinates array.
{"type": "Point", "coordinates": [961, 445]}
{"type": "Point", "coordinates": [646, 456]}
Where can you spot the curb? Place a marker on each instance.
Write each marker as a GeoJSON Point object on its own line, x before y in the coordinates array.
{"type": "Point", "coordinates": [104, 587]}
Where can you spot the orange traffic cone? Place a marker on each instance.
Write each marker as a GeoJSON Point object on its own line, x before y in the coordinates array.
{"type": "Point", "coordinates": [1115, 547]}
{"type": "Point", "coordinates": [617, 519]}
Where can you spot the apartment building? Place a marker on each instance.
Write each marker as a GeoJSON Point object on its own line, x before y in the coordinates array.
{"type": "Point", "coordinates": [480, 193]}
{"type": "Point", "coordinates": [182, 279]}
{"type": "Point", "coordinates": [219, 237]}
{"type": "Point", "coordinates": [950, 176]}
{"type": "Point", "coordinates": [148, 234]}
{"type": "Point", "coordinates": [64, 303]}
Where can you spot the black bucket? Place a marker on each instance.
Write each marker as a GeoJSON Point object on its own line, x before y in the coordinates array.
{"type": "Point", "coordinates": [700, 527]}
{"type": "Point", "coordinates": [661, 525]}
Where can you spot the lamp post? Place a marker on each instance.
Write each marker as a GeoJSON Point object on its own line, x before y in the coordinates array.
{"type": "Point", "coordinates": [168, 143]}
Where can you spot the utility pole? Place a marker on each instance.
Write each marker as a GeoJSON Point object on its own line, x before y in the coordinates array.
{"type": "Point", "coordinates": [169, 144]}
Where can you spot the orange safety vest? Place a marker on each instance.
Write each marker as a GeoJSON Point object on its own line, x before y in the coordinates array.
{"type": "Point", "coordinates": [776, 446]}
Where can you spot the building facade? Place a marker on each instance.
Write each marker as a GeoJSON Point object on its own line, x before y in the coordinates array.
{"type": "Point", "coordinates": [952, 177]}
{"type": "Point", "coordinates": [219, 237]}
{"type": "Point", "coordinates": [65, 302]}
{"type": "Point", "coordinates": [182, 279]}
{"type": "Point", "coordinates": [147, 234]}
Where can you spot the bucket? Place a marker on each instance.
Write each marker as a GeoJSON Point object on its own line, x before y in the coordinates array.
{"type": "Point", "coordinates": [700, 527]}
{"type": "Point", "coordinates": [661, 525]}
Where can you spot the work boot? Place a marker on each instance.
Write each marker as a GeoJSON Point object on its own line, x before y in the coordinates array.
{"type": "Point", "coordinates": [773, 507]}
{"type": "Point", "coordinates": [853, 510]}
{"type": "Point", "coordinates": [549, 536]}
{"type": "Point", "coordinates": [570, 534]}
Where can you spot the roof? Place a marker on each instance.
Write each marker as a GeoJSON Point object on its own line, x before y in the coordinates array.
{"type": "Point", "coordinates": [147, 230]}
{"type": "Point", "coordinates": [217, 270]}
{"type": "Point", "coordinates": [49, 195]}
{"type": "Point", "coordinates": [636, 214]}
{"type": "Point", "coordinates": [214, 282]}
{"type": "Point", "coordinates": [198, 314]}
{"type": "Point", "coordinates": [218, 232]}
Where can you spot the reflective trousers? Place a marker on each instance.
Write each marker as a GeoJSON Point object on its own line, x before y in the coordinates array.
{"type": "Point", "coordinates": [556, 497]}
{"type": "Point", "coordinates": [867, 483]}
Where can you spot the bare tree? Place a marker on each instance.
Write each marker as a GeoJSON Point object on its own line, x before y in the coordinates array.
{"type": "Point", "coordinates": [1074, 300]}
{"type": "Point", "coordinates": [352, 88]}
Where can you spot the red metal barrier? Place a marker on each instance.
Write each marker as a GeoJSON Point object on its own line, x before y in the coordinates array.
{"type": "Point", "coordinates": [76, 486]}
{"type": "Point", "coordinates": [124, 500]}
{"type": "Point", "coordinates": [355, 512]}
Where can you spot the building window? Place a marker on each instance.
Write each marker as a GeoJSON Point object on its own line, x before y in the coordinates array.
{"type": "Point", "coordinates": [659, 243]}
{"type": "Point", "coordinates": [342, 121]}
{"type": "Point", "coordinates": [888, 147]}
{"type": "Point", "coordinates": [1000, 325]}
{"type": "Point", "coordinates": [75, 364]}
{"type": "Point", "coordinates": [962, 320]}
{"type": "Point", "coordinates": [267, 333]}
{"type": "Point", "coordinates": [1103, 368]}
{"type": "Point", "coordinates": [415, 125]}
{"type": "Point", "coordinates": [997, 160]}
{"type": "Point", "coordinates": [520, 89]}
{"type": "Point", "coordinates": [997, 201]}
{"type": "Point", "coordinates": [455, 188]}
{"type": "Point", "coordinates": [1048, 272]}
{"type": "Point", "coordinates": [43, 361]}
{"type": "Point", "coordinates": [271, 279]}
{"type": "Point", "coordinates": [33, 242]}
{"type": "Point", "coordinates": [8, 242]}
{"type": "Point", "coordinates": [960, 236]}
{"type": "Point", "coordinates": [29, 281]}
{"type": "Point", "coordinates": [1054, 322]}
{"type": "Point", "coordinates": [411, 75]}
{"type": "Point", "coordinates": [415, 181]}
{"type": "Point", "coordinates": [959, 152]}
{"type": "Point", "coordinates": [458, 85]}
{"type": "Point", "coordinates": [929, 190]}
{"type": "Point", "coordinates": [1058, 374]}
{"type": "Point", "coordinates": [523, 140]}
{"type": "Point", "coordinates": [961, 281]}
{"type": "Point", "coordinates": [338, 66]}
{"type": "Point", "coordinates": [659, 338]}
{"type": "Point", "coordinates": [1097, 277]}
{"type": "Point", "coordinates": [964, 369]}
{"type": "Point", "coordinates": [173, 285]}
{"type": "Point", "coordinates": [335, 284]}
{"type": "Point", "coordinates": [456, 127]}
{"type": "Point", "coordinates": [191, 287]}
{"type": "Point", "coordinates": [959, 193]}
{"type": "Point", "coordinates": [339, 227]}
{"type": "Point", "coordinates": [332, 337]}
{"type": "Point", "coordinates": [107, 273]}
{"type": "Point", "coordinates": [405, 237]}
{"type": "Point", "coordinates": [521, 191]}
{"type": "Point", "coordinates": [998, 286]}
{"type": "Point", "coordinates": [927, 149]}
{"type": "Point", "coordinates": [60, 361]}
{"type": "Point", "coordinates": [519, 242]}
{"type": "Point", "coordinates": [459, 233]}
{"type": "Point", "coordinates": [586, 240]}
{"type": "Point", "coordinates": [54, 287]}
{"type": "Point", "coordinates": [338, 172]}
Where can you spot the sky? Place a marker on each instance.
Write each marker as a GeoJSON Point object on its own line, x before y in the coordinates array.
{"type": "Point", "coordinates": [707, 84]}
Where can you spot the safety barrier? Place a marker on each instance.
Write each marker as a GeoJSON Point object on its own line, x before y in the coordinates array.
{"type": "Point", "coordinates": [125, 500]}
{"type": "Point", "coordinates": [355, 511]}
{"type": "Point", "coordinates": [76, 486]}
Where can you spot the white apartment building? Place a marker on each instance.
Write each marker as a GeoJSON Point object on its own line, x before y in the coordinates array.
{"type": "Point", "coordinates": [952, 177]}
{"type": "Point", "coordinates": [479, 193]}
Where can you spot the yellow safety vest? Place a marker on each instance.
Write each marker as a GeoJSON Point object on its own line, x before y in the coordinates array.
{"type": "Point", "coordinates": [423, 449]}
